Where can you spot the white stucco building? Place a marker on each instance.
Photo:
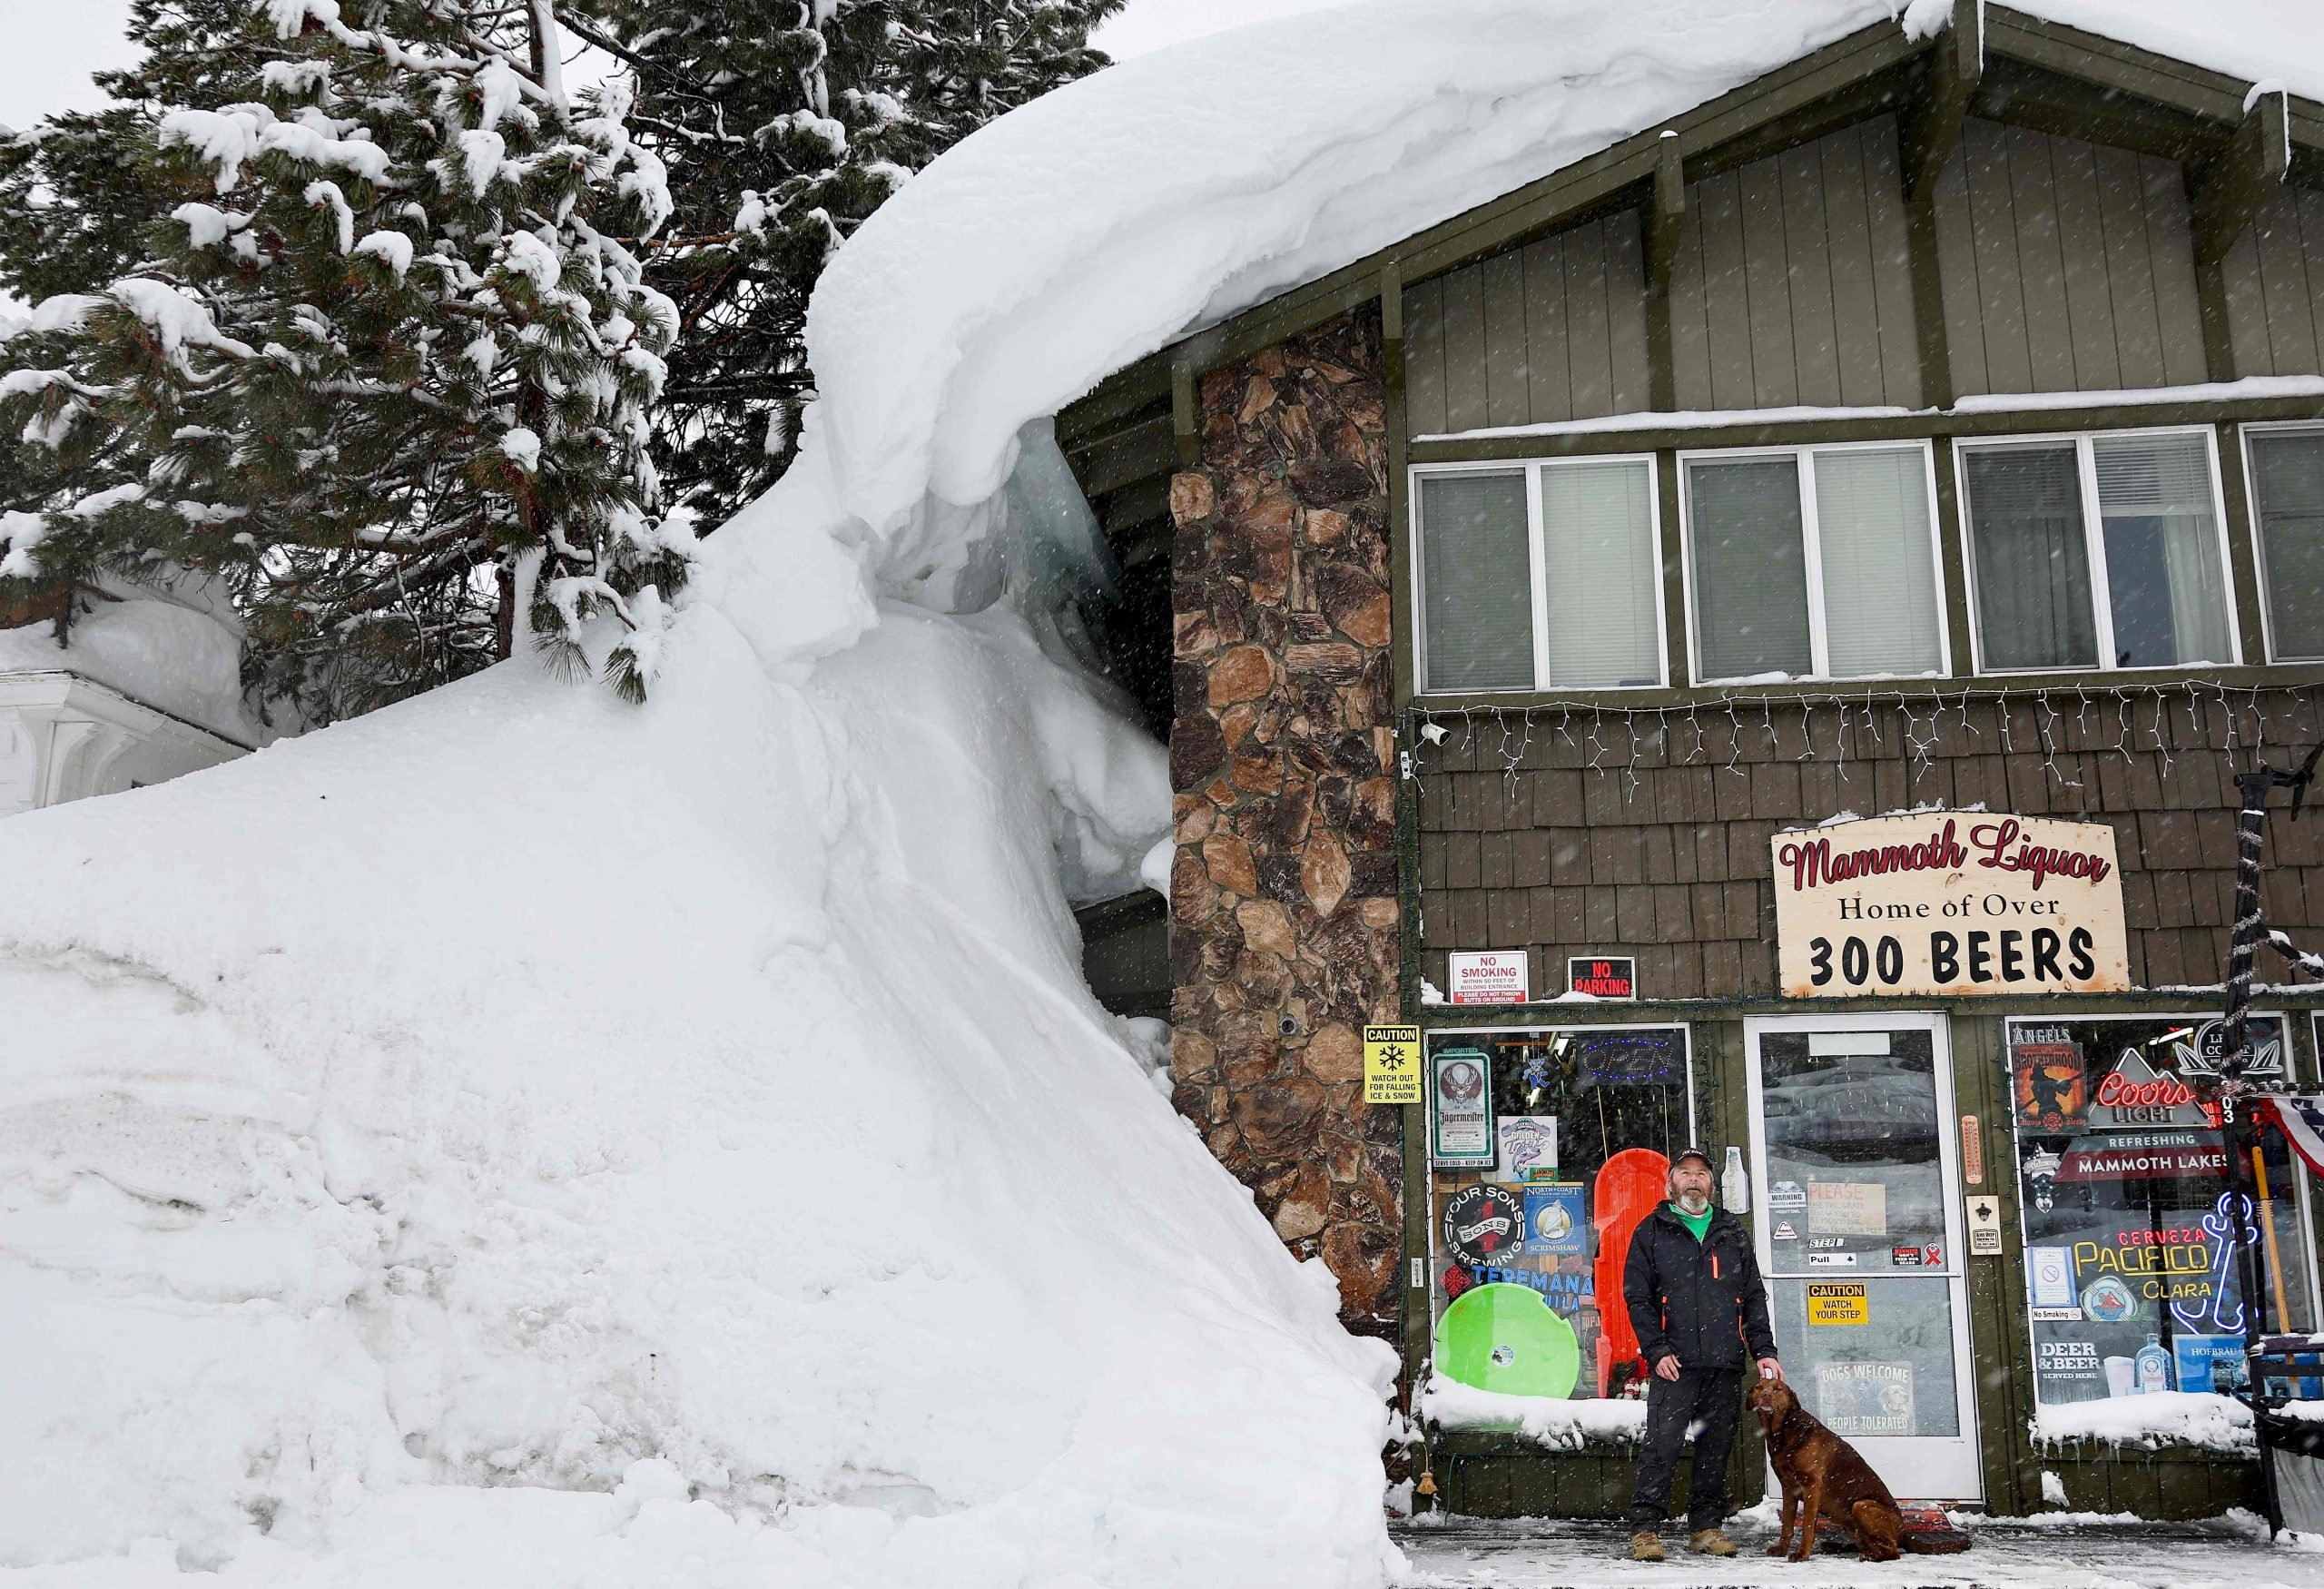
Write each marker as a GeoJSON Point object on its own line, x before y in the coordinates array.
{"type": "Point", "coordinates": [149, 688]}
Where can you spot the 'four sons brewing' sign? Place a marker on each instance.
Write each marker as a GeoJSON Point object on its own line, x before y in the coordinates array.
{"type": "Point", "coordinates": [1949, 902]}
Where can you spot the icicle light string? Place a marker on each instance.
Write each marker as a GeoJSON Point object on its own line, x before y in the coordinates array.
{"type": "Point", "coordinates": [2242, 719]}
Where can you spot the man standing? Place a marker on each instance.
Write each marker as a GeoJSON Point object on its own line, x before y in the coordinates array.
{"type": "Point", "coordinates": [1700, 1313]}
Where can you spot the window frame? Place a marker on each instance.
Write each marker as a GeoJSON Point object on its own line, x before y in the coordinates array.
{"type": "Point", "coordinates": [1802, 455]}
{"type": "Point", "coordinates": [1537, 564]}
{"type": "Point", "coordinates": [2243, 435]}
{"type": "Point", "coordinates": [2094, 537]}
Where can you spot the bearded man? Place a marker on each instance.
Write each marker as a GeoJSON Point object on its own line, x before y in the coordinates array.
{"type": "Point", "coordinates": [1700, 1312]}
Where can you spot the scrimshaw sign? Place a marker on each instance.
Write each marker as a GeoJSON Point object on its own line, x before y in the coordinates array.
{"type": "Point", "coordinates": [1949, 902]}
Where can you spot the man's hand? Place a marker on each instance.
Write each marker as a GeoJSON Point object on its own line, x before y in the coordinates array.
{"type": "Point", "coordinates": [1667, 1368]}
{"type": "Point", "coordinates": [1770, 1370]}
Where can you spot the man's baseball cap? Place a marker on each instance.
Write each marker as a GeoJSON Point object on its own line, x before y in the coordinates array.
{"type": "Point", "coordinates": [1686, 1153]}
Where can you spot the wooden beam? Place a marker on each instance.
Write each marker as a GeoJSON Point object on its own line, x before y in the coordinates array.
{"type": "Point", "coordinates": [1666, 223]}
{"type": "Point", "coordinates": [1955, 70]}
{"type": "Point", "coordinates": [1400, 509]}
{"type": "Point", "coordinates": [1185, 424]}
{"type": "Point", "coordinates": [1666, 213]}
{"type": "Point", "coordinates": [2235, 183]}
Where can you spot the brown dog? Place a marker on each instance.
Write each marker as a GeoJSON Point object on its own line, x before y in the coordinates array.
{"type": "Point", "coordinates": [1822, 1477]}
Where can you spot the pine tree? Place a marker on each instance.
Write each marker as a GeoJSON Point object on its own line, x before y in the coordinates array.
{"type": "Point", "coordinates": [380, 355]}
{"type": "Point", "coordinates": [784, 123]}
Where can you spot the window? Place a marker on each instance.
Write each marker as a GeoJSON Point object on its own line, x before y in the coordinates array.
{"type": "Point", "coordinates": [1536, 576]}
{"type": "Point", "coordinates": [2131, 1230]}
{"type": "Point", "coordinates": [2096, 551]}
{"type": "Point", "coordinates": [2288, 502]}
{"type": "Point", "coordinates": [1616, 1103]}
{"type": "Point", "coordinates": [1819, 563]}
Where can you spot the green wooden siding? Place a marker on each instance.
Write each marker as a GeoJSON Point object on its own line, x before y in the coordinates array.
{"type": "Point", "coordinates": [1551, 331]}
{"type": "Point", "coordinates": [2275, 288]}
{"type": "Point", "coordinates": [2067, 266]}
{"type": "Point", "coordinates": [1792, 284]}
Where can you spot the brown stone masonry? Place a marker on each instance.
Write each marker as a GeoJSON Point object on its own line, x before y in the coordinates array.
{"type": "Point", "coordinates": [1283, 897]}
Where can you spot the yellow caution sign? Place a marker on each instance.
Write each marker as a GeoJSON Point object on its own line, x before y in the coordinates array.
{"type": "Point", "coordinates": [1392, 1064]}
{"type": "Point", "coordinates": [1838, 1303]}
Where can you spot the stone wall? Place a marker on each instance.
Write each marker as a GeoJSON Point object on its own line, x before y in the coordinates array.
{"type": "Point", "coordinates": [1283, 900]}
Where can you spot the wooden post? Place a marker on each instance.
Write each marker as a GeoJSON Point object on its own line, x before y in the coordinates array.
{"type": "Point", "coordinates": [1666, 216]}
{"type": "Point", "coordinates": [2228, 191]}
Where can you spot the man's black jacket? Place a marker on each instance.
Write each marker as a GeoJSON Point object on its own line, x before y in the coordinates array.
{"type": "Point", "coordinates": [1703, 1300]}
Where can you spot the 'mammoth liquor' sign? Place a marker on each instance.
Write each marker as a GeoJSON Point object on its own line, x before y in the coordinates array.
{"type": "Point", "coordinates": [1949, 902]}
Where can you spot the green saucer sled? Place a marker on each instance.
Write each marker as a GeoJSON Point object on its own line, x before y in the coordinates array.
{"type": "Point", "coordinates": [1507, 1338]}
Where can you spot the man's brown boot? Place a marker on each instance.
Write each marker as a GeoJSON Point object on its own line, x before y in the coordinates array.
{"type": "Point", "coordinates": [1711, 1542]}
{"type": "Point", "coordinates": [1646, 1546]}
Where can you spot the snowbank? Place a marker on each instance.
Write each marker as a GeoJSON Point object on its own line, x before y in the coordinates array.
{"type": "Point", "coordinates": [1562, 1425]}
{"type": "Point", "coordinates": [512, 1085]}
{"type": "Point", "coordinates": [2202, 1419]}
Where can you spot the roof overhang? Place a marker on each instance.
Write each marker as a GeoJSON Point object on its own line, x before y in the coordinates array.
{"type": "Point", "coordinates": [1128, 433]}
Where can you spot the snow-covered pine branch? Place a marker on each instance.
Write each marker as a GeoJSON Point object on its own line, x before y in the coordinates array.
{"type": "Point", "coordinates": [347, 274]}
{"type": "Point", "coordinates": [782, 139]}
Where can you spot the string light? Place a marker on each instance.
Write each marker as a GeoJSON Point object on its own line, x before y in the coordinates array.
{"type": "Point", "coordinates": [1646, 731]}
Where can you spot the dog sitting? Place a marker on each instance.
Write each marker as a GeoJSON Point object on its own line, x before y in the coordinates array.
{"type": "Point", "coordinates": [1822, 1477]}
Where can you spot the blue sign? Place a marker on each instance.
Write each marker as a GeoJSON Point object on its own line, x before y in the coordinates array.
{"type": "Point", "coordinates": [2209, 1362]}
{"type": "Point", "coordinates": [1553, 1221]}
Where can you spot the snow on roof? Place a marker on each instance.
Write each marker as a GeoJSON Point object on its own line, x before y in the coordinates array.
{"type": "Point", "coordinates": [1107, 219]}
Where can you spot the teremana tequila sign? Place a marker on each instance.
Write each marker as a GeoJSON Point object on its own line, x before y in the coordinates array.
{"type": "Point", "coordinates": [1949, 902]}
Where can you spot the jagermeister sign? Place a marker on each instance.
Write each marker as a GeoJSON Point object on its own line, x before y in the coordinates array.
{"type": "Point", "coordinates": [1949, 902]}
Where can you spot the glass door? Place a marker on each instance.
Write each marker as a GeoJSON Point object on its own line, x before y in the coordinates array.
{"type": "Point", "coordinates": [1860, 1230]}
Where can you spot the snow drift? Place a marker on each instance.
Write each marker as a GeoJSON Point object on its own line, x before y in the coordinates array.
{"type": "Point", "coordinates": [697, 1108]}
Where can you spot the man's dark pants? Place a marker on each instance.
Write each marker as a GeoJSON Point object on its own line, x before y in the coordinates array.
{"type": "Point", "coordinates": [1713, 1396]}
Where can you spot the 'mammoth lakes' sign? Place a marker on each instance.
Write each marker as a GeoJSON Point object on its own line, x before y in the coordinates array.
{"type": "Point", "coordinates": [1949, 902]}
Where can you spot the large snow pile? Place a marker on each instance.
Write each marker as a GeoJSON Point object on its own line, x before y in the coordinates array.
{"type": "Point", "coordinates": [699, 1104]}
{"type": "Point", "coordinates": [512, 1085]}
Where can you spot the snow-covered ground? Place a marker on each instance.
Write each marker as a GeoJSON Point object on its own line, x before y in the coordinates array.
{"type": "Point", "coordinates": [2053, 1552]}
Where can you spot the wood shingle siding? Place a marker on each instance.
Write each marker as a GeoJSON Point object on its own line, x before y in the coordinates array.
{"type": "Point", "coordinates": [2067, 266]}
{"type": "Point", "coordinates": [1551, 331]}
{"type": "Point", "coordinates": [1661, 849]}
{"type": "Point", "coordinates": [1793, 280]}
{"type": "Point", "coordinates": [2275, 288]}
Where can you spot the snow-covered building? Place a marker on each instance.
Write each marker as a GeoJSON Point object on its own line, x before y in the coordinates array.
{"type": "Point", "coordinates": [145, 689]}
{"type": "Point", "coordinates": [1725, 591]}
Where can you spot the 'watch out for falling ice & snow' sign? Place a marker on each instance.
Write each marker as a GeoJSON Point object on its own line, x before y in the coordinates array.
{"type": "Point", "coordinates": [1949, 902]}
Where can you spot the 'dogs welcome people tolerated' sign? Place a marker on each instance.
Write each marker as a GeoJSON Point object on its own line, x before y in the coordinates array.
{"type": "Point", "coordinates": [1949, 902]}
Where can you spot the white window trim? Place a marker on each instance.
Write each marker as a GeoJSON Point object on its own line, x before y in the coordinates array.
{"type": "Point", "coordinates": [2093, 535]}
{"type": "Point", "coordinates": [1537, 562]}
{"type": "Point", "coordinates": [1811, 554]}
{"type": "Point", "coordinates": [2244, 434]}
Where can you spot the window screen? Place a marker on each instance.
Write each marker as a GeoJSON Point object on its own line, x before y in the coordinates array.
{"type": "Point", "coordinates": [1598, 545]}
{"type": "Point", "coordinates": [2034, 590]}
{"type": "Point", "coordinates": [1477, 582]}
{"type": "Point", "coordinates": [2165, 588]}
{"type": "Point", "coordinates": [1872, 522]}
{"type": "Point", "coordinates": [1750, 572]}
{"type": "Point", "coordinates": [2288, 485]}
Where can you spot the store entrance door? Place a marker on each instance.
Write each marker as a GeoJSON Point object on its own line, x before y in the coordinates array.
{"type": "Point", "coordinates": [1860, 1234]}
